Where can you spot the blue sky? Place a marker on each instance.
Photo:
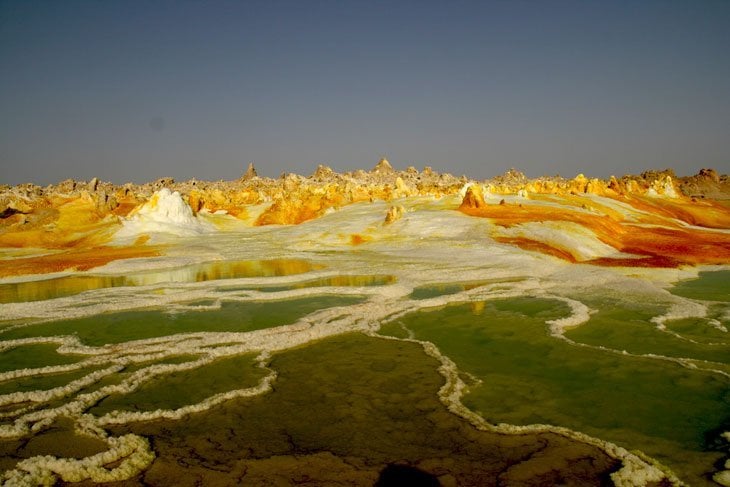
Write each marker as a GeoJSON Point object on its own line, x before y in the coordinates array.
{"type": "Point", "coordinates": [137, 90]}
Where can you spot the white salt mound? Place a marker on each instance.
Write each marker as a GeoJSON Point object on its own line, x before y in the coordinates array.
{"type": "Point", "coordinates": [165, 212]}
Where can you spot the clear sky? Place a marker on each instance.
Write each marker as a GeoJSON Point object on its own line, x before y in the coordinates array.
{"type": "Point", "coordinates": [137, 90]}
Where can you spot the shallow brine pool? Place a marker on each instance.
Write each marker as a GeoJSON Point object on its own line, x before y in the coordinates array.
{"type": "Point", "coordinates": [437, 356]}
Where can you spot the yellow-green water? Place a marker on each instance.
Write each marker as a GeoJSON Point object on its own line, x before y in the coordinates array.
{"type": "Point", "coordinates": [138, 325]}
{"type": "Point", "coordinates": [343, 409]}
{"type": "Point", "coordinates": [208, 271]}
{"type": "Point", "coordinates": [351, 403]}
{"type": "Point", "coordinates": [521, 375]}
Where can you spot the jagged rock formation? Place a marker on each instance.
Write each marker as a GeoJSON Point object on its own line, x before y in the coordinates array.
{"type": "Point", "coordinates": [707, 183]}
{"type": "Point", "coordinates": [383, 167]}
{"type": "Point", "coordinates": [323, 173]}
{"type": "Point", "coordinates": [33, 215]}
{"type": "Point", "coordinates": [250, 173]}
{"type": "Point", "coordinates": [473, 198]}
{"type": "Point", "coordinates": [511, 178]}
{"type": "Point", "coordinates": [332, 188]}
{"type": "Point", "coordinates": [394, 213]}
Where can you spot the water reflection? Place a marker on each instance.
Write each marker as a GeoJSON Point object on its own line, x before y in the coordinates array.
{"type": "Point", "coordinates": [444, 289]}
{"type": "Point", "coordinates": [208, 271]}
{"type": "Point", "coordinates": [436, 290]}
{"type": "Point", "coordinates": [335, 281]}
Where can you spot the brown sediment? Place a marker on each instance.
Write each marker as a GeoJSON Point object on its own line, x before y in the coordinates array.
{"type": "Point", "coordinates": [78, 260]}
{"type": "Point", "coordinates": [343, 412]}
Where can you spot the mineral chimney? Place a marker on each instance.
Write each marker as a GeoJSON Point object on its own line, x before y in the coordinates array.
{"type": "Point", "coordinates": [383, 167]}
{"type": "Point", "coordinates": [250, 173]}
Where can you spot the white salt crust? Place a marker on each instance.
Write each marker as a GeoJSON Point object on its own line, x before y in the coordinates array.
{"type": "Point", "coordinates": [165, 213]}
{"type": "Point", "coordinates": [425, 247]}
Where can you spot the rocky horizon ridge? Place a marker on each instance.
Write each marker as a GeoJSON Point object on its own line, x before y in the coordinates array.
{"type": "Point", "coordinates": [707, 182]}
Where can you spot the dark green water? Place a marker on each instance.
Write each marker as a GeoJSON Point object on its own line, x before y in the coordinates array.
{"type": "Point", "coordinates": [709, 286]}
{"type": "Point", "coordinates": [41, 383]}
{"type": "Point", "coordinates": [352, 404]}
{"type": "Point", "coordinates": [137, 325]}
{"type": "Point", "coordinates": [529, 377]}
{"type": "Point", "coordinates": [341, 411]}
{"type": "Point", "coordinates": [435, 290]}
{"type": "Point", "coordinates": [620, 328]}
{"type": "Point", "coordinates": [32, 356]}
{"type": "Point", "coordinates": [178, 389]}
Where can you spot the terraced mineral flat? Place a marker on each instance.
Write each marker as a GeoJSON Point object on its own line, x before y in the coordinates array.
{"type": "Point", "coordinates": [367, 328]}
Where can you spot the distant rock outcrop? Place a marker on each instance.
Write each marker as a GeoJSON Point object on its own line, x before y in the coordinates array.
{"type": "Point", "coordinates": [709, 174]}
{"type": "Point", "coordinates": [323, 173]}
{"type": "Point", "coordinates": [250, 173]}
{"type": "Point", "coordinates": [383, 167]}
{"type": "Point", "coordinates": [707, 183]}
